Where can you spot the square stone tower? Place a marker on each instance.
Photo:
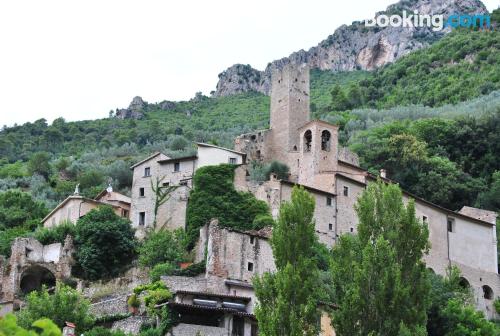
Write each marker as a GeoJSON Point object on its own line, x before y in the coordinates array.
{"type": "Point", "coordinates": [289, 110]}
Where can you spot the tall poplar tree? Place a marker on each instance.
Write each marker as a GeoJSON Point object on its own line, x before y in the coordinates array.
{"type": "Point", "coordinates": [288, 298]}
{"type": "Point", "coordinates": [380, 279]}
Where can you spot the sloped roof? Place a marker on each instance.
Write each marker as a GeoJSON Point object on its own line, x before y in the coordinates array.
{"type": "Point", "coordinates": [147, 159]}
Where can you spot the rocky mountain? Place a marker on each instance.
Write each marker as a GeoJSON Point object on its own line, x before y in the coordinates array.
{"type": "Point", "coordinates": [353, 47]}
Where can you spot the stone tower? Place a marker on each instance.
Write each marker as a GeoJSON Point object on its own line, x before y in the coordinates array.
{"type": "Point", "coordinates": [289, 109]}
{"type": "Point", "coordinates": [318, 157]}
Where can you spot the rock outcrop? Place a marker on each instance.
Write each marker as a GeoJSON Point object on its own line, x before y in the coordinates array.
{"type": "Point", "coordinates": [353, 47]}
{"type": "Point", "coordinates": [134, 111]}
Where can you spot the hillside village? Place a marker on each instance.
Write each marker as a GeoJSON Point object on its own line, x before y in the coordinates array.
{"type": "Point", "coordinates": [221, 299]}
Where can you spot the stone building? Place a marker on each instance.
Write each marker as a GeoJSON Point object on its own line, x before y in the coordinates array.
{"type": "Point", "coordinates": [30, 266]}
{"type": "Point", "coordinates": [466, 238]}
{"type": "Point", "coordinates": [159, 170]}
{"type": "Point", "coordinates": [76, 206]}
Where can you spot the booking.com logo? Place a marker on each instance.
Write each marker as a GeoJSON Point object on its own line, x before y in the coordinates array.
{"type": "Point", "coordinates": [437, 22]}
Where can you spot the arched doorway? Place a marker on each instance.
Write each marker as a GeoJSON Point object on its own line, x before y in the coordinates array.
{"type": "Point", "coordinates": [464, 283]}
{"type": "Point", "coordinates": [34, 277]}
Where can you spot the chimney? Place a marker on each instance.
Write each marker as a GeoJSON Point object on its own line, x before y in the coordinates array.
{"type": "Point", "coordinates": [383, 173]}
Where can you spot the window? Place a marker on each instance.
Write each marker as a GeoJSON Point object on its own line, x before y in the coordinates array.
{"type": "Point", "coordinates": [183, 183]}
{"type": "Point", "coordinates": [142, 218]}
{"type": "Point", "coordinates": [346, 191]}
{"type": "Point", "coordinates": [329, 201]}
{"type": "Point", "coordinates": [307, 141]}
{"type": "Point", "coordinates": [141, 192]}
{"type": "Point", "coordinates": [252, 240]}
{"type": "Point", "coordinates": [487, 292]}
{"type": "Point", "coordinates": [451, 224]}
{"type": "Point", "coordinates": [232, 160]}
{"type": "Point", "coordinates": [124, 213]}
{"type": "Point", "coordinates": [166, 184]}
{"type": "Point", "coordinates": [351, 229]}
{"type": "Point", "coordinates": [258, 154]}
{"type": "Point", "coordinates": [425, 219]}
{"type": "Point", "coordinates": [177, 166]}
{"type": "Point", "coordinates": [250, 266]}
{"type": "Point", "coordinates": [330, 227]}
{"type": "Point", "coordinates": [325, 140]}
{"type": "Point", "coordinates": [147, 172]}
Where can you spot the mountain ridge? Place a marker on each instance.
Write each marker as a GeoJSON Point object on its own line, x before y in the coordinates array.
{"type": "Point", "coordinates": [353, 47]}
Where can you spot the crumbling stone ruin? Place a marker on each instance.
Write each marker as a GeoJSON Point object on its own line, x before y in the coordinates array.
{"type": "Point", "coordinates": [31, 266]}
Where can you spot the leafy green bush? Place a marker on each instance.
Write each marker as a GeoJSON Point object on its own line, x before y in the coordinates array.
{"type": "Point", "coordinates": [8, 236]}
{"type": "Point", "coordinates": [133, 301]}
{"type": "Point", "coordinates": [157, 292]}
{"type": "Point", "coordinates": [105, 244]}
{"type": "Point", "coordinates": [161, 269]}
{"type": "Point", "coordinates": [280, 169]}
{"type": "Point", "coordinates": [9, 327]}
{"type": "Point", "coordinates": [56, 234]}
{"type": "Point", "coordinates": [162, 246]}
{"type": "Point", "coordinates": [214, 196]}
{"type": "Point", "coordinates": [66, 304]}
{"type": "Point", "coordinates": [190, 271]}
{"type": "Point", "coordinates": [18, 208]}
{"type": "Point", "coordinates": [466, 321]}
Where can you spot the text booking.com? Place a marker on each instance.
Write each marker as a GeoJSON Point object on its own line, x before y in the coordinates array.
{"type": "Point", "coordinates": [436, 22]}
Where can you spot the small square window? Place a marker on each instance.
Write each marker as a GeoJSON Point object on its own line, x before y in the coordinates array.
{"type": "Point", "coordinates": [232, 160]}
{"type": "Point", "coordinates": [329, 201]}
{"type": "Point", "coordinates": [142, 218]}
{"type": "Point", "coordinates": [183, 183]}
{"type": "Point", "coordinates": [346, 191]}
{"type": "Point", "coordinates": [177, 166]}
{"type": "Point", "coordinates": [166, 184]}
{"type": "Point", "coordinates": [425, 219]}
{"type": "Point", "coordinates": [451, 224]}
{"type": "Point", "coordinates": [250, 266]}
{"type": "Point", "coordinates": [330, 227]}
{"type": "Point", "coordinates": [252, 240]}
{"type": "Point", "coordinates": [147, 172]}
{"type": "Point", "coordinates": [141, 192]}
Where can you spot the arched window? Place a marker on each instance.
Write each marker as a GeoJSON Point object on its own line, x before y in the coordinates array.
{"type": "Point", "coordinates": [487, 292]}
{"type": "Point", "coordinates": [325, 140]}
{"type": "Point", "coordinates": [463, 282]}
{"type": "Point", "coordinates": [307, 141]}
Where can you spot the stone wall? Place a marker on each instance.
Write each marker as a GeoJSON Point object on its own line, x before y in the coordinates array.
{"type": "Point", "coordinates": [193, 330]}
{"type": "Point", "coordinates": [110, 307]}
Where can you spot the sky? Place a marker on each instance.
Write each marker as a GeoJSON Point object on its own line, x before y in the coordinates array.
{"type": "Point", "coordinates": [80, 59]}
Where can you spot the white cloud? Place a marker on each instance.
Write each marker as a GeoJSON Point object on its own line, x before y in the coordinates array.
{"type": "Point", "coordinates": [80, 59]}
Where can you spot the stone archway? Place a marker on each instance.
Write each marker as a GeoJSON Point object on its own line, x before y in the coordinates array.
{"type": "Point", "coordinates": [34, 277]}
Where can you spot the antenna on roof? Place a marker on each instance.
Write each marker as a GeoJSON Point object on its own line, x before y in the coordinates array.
{"type": "Point", "coordinates": [77, 189]}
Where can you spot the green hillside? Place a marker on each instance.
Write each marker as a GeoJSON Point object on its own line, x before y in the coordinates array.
{"type": "Point", "coordinates": [49, 160]}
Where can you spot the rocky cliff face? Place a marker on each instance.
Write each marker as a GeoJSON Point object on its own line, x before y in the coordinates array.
{"type": "Point", "coordinates": [134, 111]}
{"type": "Point", "coordinates": [353, 47]}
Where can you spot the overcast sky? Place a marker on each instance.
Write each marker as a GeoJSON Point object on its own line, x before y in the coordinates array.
{"type": "Point", "coordinates": [80, 59]}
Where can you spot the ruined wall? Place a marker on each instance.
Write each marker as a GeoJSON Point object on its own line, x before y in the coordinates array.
{"type": "Point", "coordinates": [32, 263]}
{"type": "Point", "coordinates": [257, 145]}
{"type": "Point", "coordinates": [235, 255]}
